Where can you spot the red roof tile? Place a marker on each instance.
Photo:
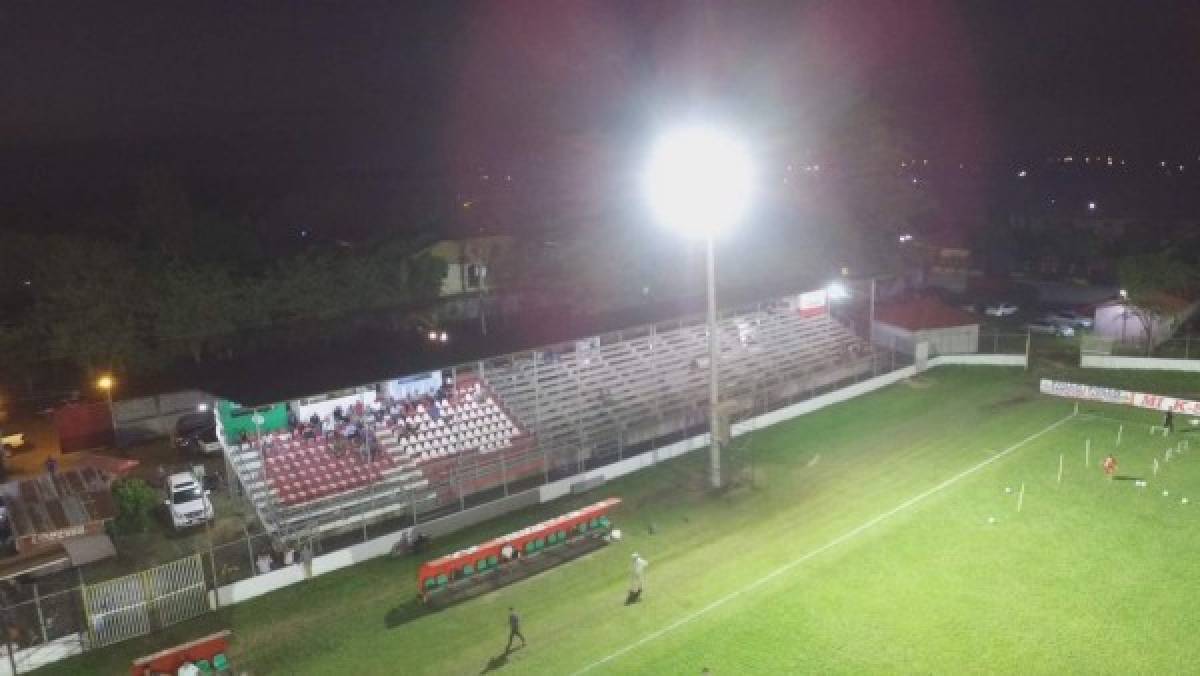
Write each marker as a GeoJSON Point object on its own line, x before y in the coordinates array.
{"type": "Point", "coordinates": [915, 314]}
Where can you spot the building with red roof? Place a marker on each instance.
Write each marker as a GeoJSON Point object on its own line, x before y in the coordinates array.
{"type": "Point", "coordinates": [902, 324]}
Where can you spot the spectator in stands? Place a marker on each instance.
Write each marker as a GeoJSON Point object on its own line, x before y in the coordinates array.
{"type": "Point", "coordinates": [243, 438]}
{"type": "Point", "coordinates": [315, 421]}
{"type": "Point", "coordinates": [51, 465]}
{"type": "Point", "coordinates": [292, 421]}
{"type": "Point", "coordinates": [338, 414]}
{"type": "Point", "coordinates": [263, 563]}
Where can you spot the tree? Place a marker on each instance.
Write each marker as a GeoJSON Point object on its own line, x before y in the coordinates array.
{"type": "Point", "coordinates": [87, 299]}
{"type": "Point", "coordinates": [136, 501]}
{"type": "Point", "coordinates": [194, 307]}
{"type": "Point", "coordinates": [1151, 283]}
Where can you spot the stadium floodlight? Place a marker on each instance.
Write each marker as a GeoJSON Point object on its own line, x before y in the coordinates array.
{"type": "Point", "coordinates": [700, 181]}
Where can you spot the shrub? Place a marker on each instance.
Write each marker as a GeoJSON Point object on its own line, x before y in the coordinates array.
{"type": "Point", "coordinates": [136, 501]}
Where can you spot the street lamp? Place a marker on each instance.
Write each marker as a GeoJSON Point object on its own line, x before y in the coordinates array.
{"type": "Point", "coordinates": [699, 181]}
{"type": "Point", "coordinates": [106, 383]}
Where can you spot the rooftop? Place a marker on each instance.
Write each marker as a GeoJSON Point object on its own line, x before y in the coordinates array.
{"type": "Point", "coordinates": [923, 312]}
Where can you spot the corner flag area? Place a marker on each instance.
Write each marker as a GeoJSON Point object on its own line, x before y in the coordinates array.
{"type": "Point", "coordinates": [959, 522]}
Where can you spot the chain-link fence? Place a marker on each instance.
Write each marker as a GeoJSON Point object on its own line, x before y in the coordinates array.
{"type": "Point", "coordinates": [1187, 347]}
{"type": "Point", "coordinates": [995, 342]}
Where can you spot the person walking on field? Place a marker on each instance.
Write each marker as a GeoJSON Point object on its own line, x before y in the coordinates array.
{"type": "Point", "coordinates": [1110, 466]}
{"type": "Point", "coordinates": [639, 575]}
{"type": "Point", "coordinates": [1169, 422]}
{"type": "Point", "coordinates": [514, 630]}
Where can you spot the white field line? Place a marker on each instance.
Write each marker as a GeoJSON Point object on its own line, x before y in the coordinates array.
{"type": "Point", "coordinates": [849, 535]}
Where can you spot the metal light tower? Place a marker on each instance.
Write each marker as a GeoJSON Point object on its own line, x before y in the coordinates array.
{"type": "Point", "coordinates": [700, 181]}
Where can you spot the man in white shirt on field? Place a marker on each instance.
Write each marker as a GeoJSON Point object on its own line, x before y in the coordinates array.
{"type": "Point", "coordinates": [639, 575]}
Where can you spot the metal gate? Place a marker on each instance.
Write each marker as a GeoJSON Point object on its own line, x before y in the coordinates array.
{"type": "Point", "coordinates": [138, 604]}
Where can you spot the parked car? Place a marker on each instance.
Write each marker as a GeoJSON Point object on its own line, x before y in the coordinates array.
{"type": "Point", "coordinates": [1051, 328]}
{"type": "Point", "coordinates": [1070, 318]}
{"type": "Point", "coordinates": [187, 502]}
{"type": "Point", "coordinates": [1001, 310]}
{"type": "Point", "coordinates": [197, 433]}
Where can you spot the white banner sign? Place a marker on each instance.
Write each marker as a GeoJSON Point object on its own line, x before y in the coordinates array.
{"type": "Point", "coordinates": [812, 303]}
{"type": "Point", "coordinates": [1109, 395]}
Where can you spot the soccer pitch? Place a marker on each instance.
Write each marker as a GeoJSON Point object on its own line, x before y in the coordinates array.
{"type": "Point", "coordinates": [881, 535]}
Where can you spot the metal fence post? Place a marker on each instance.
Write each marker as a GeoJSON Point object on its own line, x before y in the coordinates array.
{"type": "Point", "coordinates": [37, 603]}
{"type": "Point", "coordinates": [504, 472]}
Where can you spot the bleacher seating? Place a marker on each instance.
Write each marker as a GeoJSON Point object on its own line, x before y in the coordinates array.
{"type": "Point", "coordinates": [584, 397]}
{"type": "Point", "coordinates": [311, 481]}
{"type": "Point", "coordinates": [519, 415]}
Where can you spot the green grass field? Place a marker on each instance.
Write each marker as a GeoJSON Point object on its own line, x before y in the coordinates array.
{"type": "Point", "coordinates": [865, 545]}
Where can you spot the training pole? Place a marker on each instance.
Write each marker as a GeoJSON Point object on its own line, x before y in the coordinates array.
{"type": "Point", "coordinates": [1156, 467]}
{"type": "Point", "coordinates": [1120, 429]}
{"type": "Point", "coordinates": [1060, 466]}
{"type": "Point", "coordinates": [1021, 496]}
{"type": "Point", "coordinates": [1087, 453]}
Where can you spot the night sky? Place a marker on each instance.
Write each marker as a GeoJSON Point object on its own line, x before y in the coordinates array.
{"type": "Point", "coordinates": [435, 91]}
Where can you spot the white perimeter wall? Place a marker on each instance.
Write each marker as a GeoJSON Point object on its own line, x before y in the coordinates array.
{"type": "Point", "coordinates": [1141, 363]}
{"type": "Point", "coordinates": [40, 655]}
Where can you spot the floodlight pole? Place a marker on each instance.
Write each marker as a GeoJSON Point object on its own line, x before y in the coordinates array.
{"type": "Point", "coordinates": [714, 352]}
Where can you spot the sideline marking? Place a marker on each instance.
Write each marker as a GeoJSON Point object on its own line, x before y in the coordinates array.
{"type": "Point", "coordinates": [820, 550]}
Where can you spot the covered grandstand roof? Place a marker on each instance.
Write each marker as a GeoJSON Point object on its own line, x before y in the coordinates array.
{"type": "Point", "coordinates": [923, 312]}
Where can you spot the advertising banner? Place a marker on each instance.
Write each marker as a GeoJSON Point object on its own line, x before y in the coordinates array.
{"type": "Point", "coordinates": [1109, 395]}
{"type": "Point", "coordinates": [812, 304]}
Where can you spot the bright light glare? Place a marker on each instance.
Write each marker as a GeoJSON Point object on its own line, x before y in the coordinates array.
{"type": "Point", "coordinates": [1091, 206]}
{"type": "Point", "coordinates": [444, 336]}
{"type": "Point", "coordinates": [433, 336]}
{"type": "Point", "coordinates": [105, 382]}
{"type": "Point", "coordinates": [837, 291]}
{"type": "Point", "coordinates": [699, 180]}
{"type": "Point", "coordinates": [202, 408]}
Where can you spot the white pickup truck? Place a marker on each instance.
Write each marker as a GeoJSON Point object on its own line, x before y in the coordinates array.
{"type": "Point", "coordinates": [187, 501]}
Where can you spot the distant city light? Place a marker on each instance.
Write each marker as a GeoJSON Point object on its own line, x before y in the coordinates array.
{"type": "Point", "coordinates": [1091, 206]}
{"type": "Point", "coordinates": [202, 407]}
{"type": "Point", "coordinates": [915, 180]}
{"type": "Point", "coordinates": [444, 337]}
{"type": "Point", "coordinates": [1022, 173]}
{"type": "Point", "coordinates": [906, 238]}
{"type": "Point", "coordinates": [433, 336]}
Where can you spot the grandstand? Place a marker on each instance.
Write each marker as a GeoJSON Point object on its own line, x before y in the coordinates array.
{"type": "Point", "coordinates": [512, 422]}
